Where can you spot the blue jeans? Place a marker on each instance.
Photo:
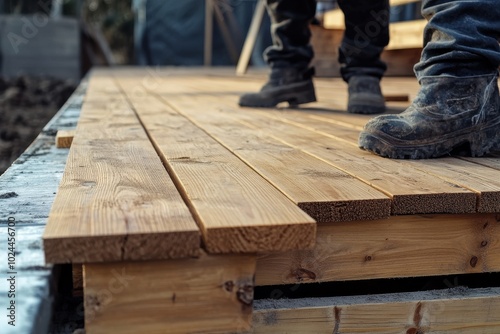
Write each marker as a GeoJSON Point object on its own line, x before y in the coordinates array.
{"type": "Point", "coordinates": [460, 39]}
{"type": "Point", "coordinates": [366, 35]}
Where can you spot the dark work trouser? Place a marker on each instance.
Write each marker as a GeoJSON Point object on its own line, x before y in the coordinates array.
{"type": "Point", "coordinates": [366, 35]}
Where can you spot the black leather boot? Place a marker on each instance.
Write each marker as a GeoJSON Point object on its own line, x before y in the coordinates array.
{"type": "Point", "coordinates": [365, 95]}
{"type": "Point", "coordinates": [285, 85]}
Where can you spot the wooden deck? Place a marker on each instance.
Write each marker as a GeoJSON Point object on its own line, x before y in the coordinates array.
{"type": "Point", "coordinates": [166, 172]}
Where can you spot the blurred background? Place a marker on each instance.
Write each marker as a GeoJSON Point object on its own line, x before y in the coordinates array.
{"type": "Point", "coordinates": [47, 46]}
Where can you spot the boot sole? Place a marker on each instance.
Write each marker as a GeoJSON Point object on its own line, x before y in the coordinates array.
{"type": "Point", "coordinates": [480, 140]}
{"type": "Point", "coordinates": [295, 94]}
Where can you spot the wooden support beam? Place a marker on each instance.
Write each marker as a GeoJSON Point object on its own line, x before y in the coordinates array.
{"type": "Point", "coordinates": [64, 138]}
{"type": "Point", "coordinates": [401, 246]}
{"type": "Point", "coordinates": [212, 294]}
{"type": "Point", "coordinates": [452, 311]}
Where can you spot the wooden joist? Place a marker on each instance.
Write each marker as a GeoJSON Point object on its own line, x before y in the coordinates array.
{"type": "Point", "coordinates": [402, 246]}
{"type": "Point", "coordinates": [324, 192]}
{"type": "Point", "coordinates": [449, 312]}
{"type": "Point", "coordinates": [472, 175]}
{"type": "Point", "coordinates": [116, 201]}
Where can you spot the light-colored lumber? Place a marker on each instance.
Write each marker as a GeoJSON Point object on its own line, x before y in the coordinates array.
{"type": "Point", "coordinates": [327, 194]}
{"type": "Point", "coordinates": [237, 210]}
{"type": "Point", "coordinates": [64, 138]}
{"type": "Point", "coordinates": [455, 311]}
{"type": "Point", "coordinates": [480, 179]}
{"type": "Point", "coordinates": [401, 246]}
{"type": "Point", "coordinates": [116, 201]}
{"type": "Point", "coordinates": [212, 294]}
{"type": "Point", "coordinates": [406, 35]}
{"type": "Point", "coordinates": [412, 191]}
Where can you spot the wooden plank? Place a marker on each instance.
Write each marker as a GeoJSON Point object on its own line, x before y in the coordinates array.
{"type": "Point", "coordinates": [455, 311]}
{"type": "Point", "coordinates": [401, 246]}
{"type": "Point", "coordinates": [64, 138]}
{"type": "Point", "coordinates": [212, 294]}
{"type": "Point", "coordinates": [396, 97]}
{"type": "Point", "coordinates": [480, 179]}
{"type": "Point", "coordinates": [237, 210]}
{"type": "Point", "coordinates": [116, 201]}
{"type": "Point", "coordinates": [252, 35]}
{"type": "Point", "coordinates": [412, 191]}
{"type": "Point", "coordinates": [324, 192]}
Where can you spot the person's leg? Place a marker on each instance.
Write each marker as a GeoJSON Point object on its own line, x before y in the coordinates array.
{"type": "Point", "coordinates": [366, 35]}
{"type": "Point", "coordinates": [289, 56]}
{"type": "Point", "coordinates": [291, 35]}
{"type": "Point", "coordinates": [457, 109]}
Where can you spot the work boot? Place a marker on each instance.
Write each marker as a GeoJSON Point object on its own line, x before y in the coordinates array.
{"type": "Point", "coordinates": [450, 115]}
{"type": "Point", "coordinates": [365, 96]}
{"type": "Point", "coordinates": [285, 85]}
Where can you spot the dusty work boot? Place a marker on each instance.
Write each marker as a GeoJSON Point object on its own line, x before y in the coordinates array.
{"type": "Point", "coordinates": [365, 95]}
{"type": "Point", "coordinates": [450, 115]}
{"type": "Point", "coordinates": [285, 85]}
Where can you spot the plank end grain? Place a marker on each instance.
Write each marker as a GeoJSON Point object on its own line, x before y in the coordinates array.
{"type": "Point", "coordinates": [338, 211]}
{"type": "Point", "coordinates": [251, 239]}
{"type": "Point", "coordinates": [464, 202]}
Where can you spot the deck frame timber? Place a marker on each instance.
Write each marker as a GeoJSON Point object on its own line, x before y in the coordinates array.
{"type": "Point", "coordinates": [211, 294]}
{"type": "Point", "coordinates": [453, 311]}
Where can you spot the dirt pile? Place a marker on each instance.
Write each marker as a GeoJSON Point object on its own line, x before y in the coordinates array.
{"type": "Point", "coordinates": [26, 105]}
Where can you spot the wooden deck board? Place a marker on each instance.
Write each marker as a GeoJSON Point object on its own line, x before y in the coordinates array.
{"type": "Point", "coordinates": [412, 191]}
{"type": "Point", "coordinates": [477, 175]}
{"type": "Point", "coordinates": [116, 201]}
{"type": "Point", "coordinates": [326, 193]}
{"type": "Point", "coordinates": [237, 210]}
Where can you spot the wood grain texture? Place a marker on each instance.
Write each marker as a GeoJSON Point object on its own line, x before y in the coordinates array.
{"type": "Point", "coordinates": [326, 193]}
{"type": "Point", "coordinates": [212, 294]}
{"type": "Point", "coordinates": [116, 201]}
{"type": "Point", "coordinates": [237, 210]}
{"type": "Point", "coordinates": [412, 191]}
{"type": "Point", "coordinates": [27, 190]}
{"type": "Point", "coordinates": [445, 312]}
{"type": "Point", "coordinates": [476, 174]}
{"type": "Point", "coordinates": [402, 246]}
